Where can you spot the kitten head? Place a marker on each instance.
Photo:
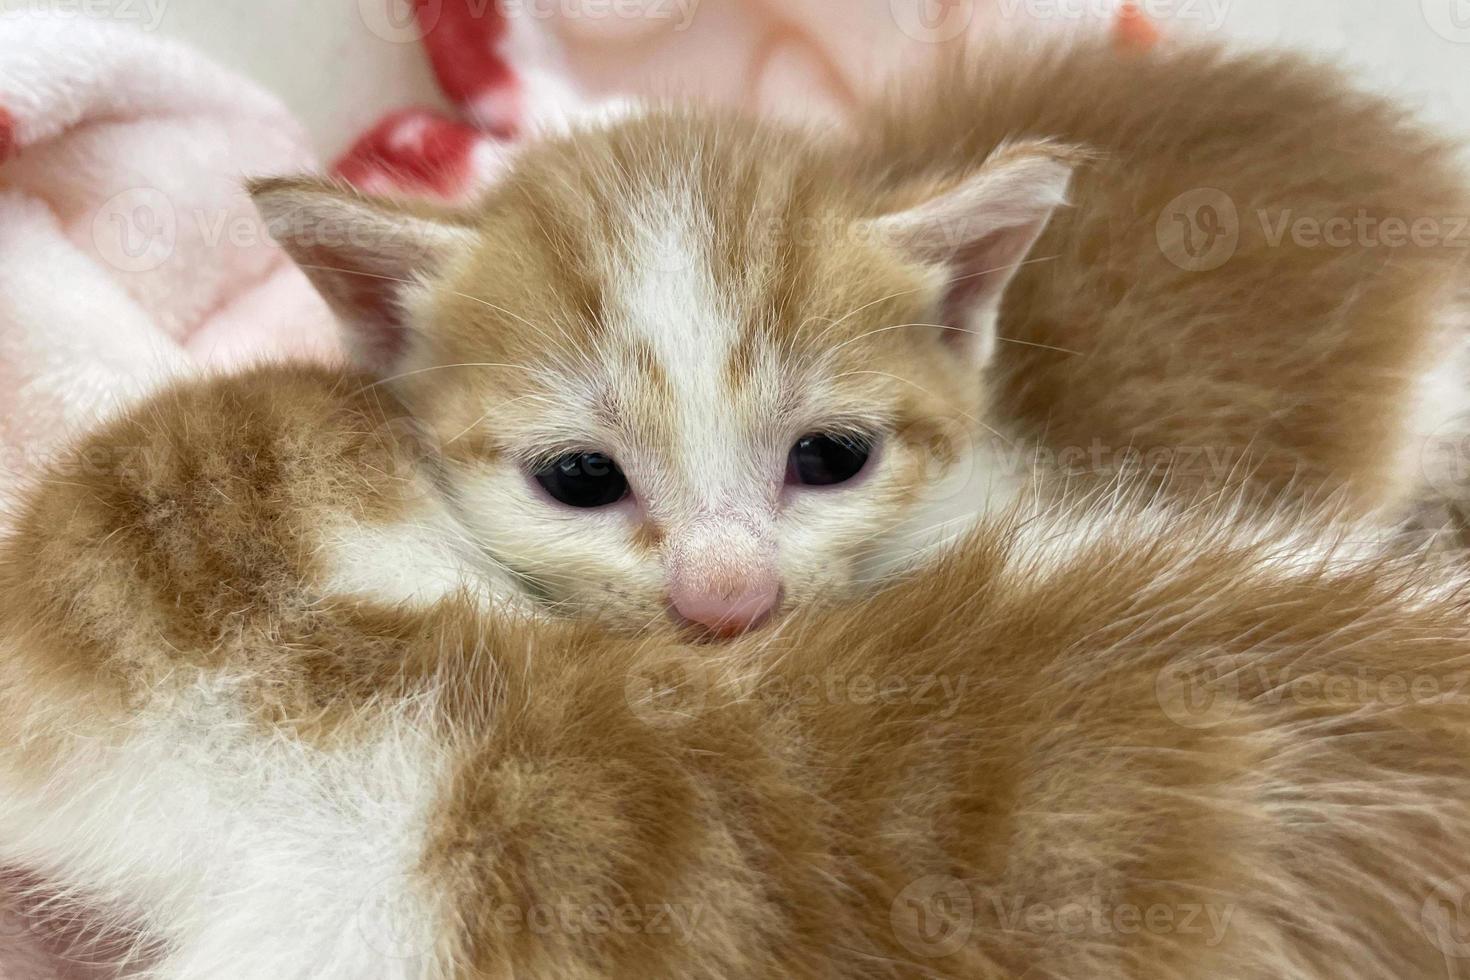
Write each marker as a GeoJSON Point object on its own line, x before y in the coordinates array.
{"type": "Point", "coordinates": [685, 363]}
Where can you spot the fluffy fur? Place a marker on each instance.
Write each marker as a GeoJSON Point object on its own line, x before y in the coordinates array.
{"type": "Point", "coordinates": [1106, 742]}
{"type": "Point", "coordinates": [691, 292]}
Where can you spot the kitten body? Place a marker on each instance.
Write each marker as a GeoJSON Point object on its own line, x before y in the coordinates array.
{"type": "Point", "coordinates": [1097, 741]}
{"type": "Point", "coordinates": [1060, 261]}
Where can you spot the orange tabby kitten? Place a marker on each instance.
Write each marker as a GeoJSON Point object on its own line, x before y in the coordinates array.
{"type": "Point", "coordinates": [1113, 742]}
{"type": "Point", "coordinates": [698, 362]}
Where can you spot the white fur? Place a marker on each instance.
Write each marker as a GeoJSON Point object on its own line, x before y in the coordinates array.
{"type": "Point", "coordinates": [248, 852]}
{"type": "Point", "coordinates": [257, 856]}
{"type": "Point", "coordinates": [1436, 452]}
{"type": "Point", "coordinates": [984, 482]}
{"type": "Point", "coordinates": [414, 562]}
{"type": "Point", "coordinates": [668, 296]}
{"type": "Point", "coordinates": [718, 496]}
{"type": "Point", "coordinates": [251, 855]}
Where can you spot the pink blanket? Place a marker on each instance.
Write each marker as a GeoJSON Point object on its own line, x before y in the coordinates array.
{"type": "Point", "coordinates": [128, 251]}
{"type": "Point", "coordinates": [507, 75]}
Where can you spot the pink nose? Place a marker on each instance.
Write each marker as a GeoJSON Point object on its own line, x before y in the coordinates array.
{"type": "Point", "coordinates": [727, 615]}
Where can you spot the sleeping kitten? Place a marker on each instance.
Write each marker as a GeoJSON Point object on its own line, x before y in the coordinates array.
{"type": "Point", "coordinates": [1093, 743]}
{"type": "Point", "coordinates": [700, 361]}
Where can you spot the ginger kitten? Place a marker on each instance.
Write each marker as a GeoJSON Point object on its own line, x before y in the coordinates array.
{"type": "Point", "coordinates": [1092, 742]}
{"type": "Point", "coordinates": [698, 362]}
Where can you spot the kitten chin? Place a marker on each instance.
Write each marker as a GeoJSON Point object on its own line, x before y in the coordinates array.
{"type": "Point", "coordinates": [1099, 738]}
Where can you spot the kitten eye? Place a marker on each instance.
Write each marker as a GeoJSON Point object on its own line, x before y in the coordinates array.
{"type": "Point", "coordinates": [820, 460]}
{"type": "Point", "coordinates": [583, 480]}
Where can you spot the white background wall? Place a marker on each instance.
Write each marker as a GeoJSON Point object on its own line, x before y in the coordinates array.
{"type": "Point", "coordinates": [322, 57]}
{"type": "Point", "coordinates": [1419, 49]}
{"type": "Point", "coordinates": [338, 73]}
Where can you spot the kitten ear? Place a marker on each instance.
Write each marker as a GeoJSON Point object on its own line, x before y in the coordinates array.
{"type": "Point", "coordinates": [361, 253]}
{"type": "Point", "coordinates": [980, 231]}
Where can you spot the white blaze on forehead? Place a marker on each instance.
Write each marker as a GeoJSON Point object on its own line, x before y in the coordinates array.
{"type": "Point", "coordinates": [664, 293]}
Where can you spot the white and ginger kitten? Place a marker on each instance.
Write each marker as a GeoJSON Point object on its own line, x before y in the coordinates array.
{"type": "Point", "coordinates": [694, 361]}
{"type": "Point", "coordinates": [1090, 744]}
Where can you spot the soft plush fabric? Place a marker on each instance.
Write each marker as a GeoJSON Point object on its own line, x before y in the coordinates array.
{"type": "Point", "coordinates": [509, 76]}
{"type": "Point", "coordinates": [128, 248]}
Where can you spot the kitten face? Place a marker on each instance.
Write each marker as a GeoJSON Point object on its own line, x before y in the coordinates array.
{"type": "Point", "coordinates": [681, 368]}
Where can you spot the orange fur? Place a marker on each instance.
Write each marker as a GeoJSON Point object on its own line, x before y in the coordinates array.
{"type": "Point", "coordinates": [1079, 712]}
{"type": "Point", "coordinates": [1003, 744]}
{"type": "Point", "coordinates": [1299, 358]}
{"type": "Point", "coordinates": [1299, 364]}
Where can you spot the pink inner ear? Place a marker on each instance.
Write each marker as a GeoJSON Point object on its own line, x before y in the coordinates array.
{"type": "Point", "coordinates": [981, 231]}
{"type": "Point", "coordinates": [957, 337]}
{"type": "Point", "coordinates": [979, 275]}
{"type": "Point", "coordinates": [961, 296]}
{"type": "Point", "coordinates": [363, 289]}
{"type": "Point", "coordinates": [379, 323]}
{"type": "Point", "coordinates": [360, 253]}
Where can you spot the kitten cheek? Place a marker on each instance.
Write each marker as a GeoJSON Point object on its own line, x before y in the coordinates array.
{"type": "Point", "coordinates": [926, 462]}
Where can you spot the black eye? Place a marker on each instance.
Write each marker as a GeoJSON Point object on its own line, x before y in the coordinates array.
{"type": "Point", "coordinates": [820, 460]}
{"type": "Point", "coordinates": [584, 480]}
